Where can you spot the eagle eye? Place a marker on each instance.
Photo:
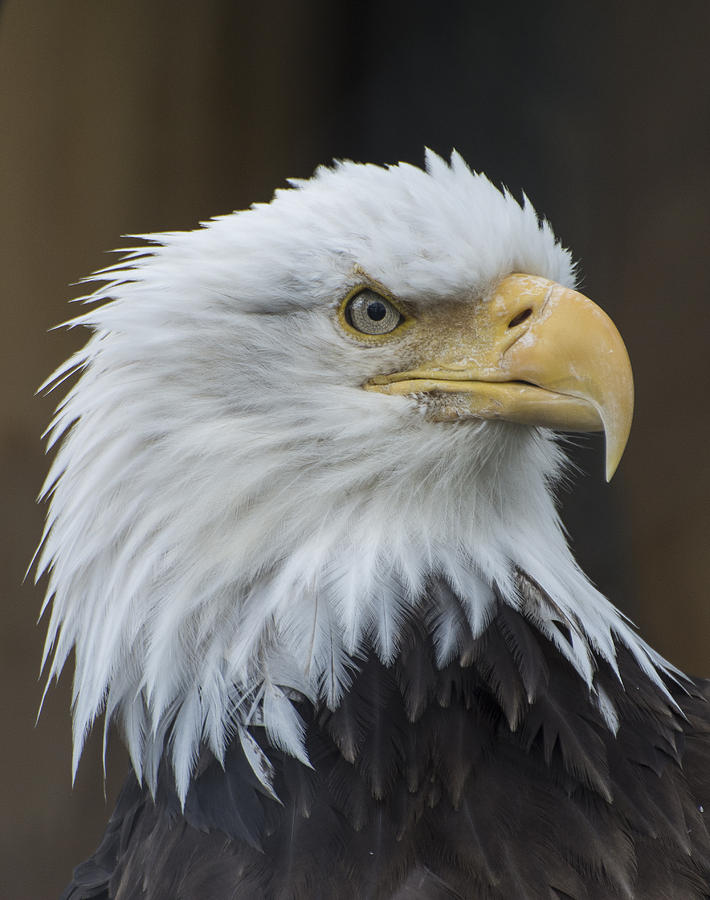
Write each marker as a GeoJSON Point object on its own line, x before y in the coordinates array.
{"type": "Point", "coordinates": [370, 313]}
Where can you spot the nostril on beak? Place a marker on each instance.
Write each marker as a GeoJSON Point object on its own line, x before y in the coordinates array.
{"type": "Point", "coordinates": [521, 317]}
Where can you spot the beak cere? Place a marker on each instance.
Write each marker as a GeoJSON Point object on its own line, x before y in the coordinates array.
{"type": "Point", "coordinates": [536, 353]}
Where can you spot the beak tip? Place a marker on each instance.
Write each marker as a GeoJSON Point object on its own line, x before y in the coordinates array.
{"type": "Point", "coordinates": [616, 418]}
{"type": "Point", "coordinates": [614, 452]}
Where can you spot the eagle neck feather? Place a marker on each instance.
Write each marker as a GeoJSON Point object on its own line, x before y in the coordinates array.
{"type": "Point", "coordinates": [245, 652]}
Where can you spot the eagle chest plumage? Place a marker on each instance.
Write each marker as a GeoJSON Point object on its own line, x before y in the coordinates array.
{"type": "Point", "coordinates": [303, 542]}
{"type": "Point", "coordinates": [493, 777]}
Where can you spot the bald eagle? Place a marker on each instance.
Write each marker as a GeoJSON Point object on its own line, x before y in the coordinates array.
{"type": "Point", "coordinates": [302, 539]}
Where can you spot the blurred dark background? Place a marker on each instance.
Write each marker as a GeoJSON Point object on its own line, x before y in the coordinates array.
{"type": "Point", "coordinates": [125, 117]}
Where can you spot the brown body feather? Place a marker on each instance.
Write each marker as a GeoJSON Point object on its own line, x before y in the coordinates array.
{"type": "Point", "coordinates": [492, 778]}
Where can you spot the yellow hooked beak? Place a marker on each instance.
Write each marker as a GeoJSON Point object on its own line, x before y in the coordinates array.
{"type": "Point", "coordinates": [535, 353]}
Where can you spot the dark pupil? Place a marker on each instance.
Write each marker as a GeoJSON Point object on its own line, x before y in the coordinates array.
{"type": "Point", "coordinates": [376, 310]}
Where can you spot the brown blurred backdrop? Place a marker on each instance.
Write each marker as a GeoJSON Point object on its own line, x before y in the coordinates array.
{"type": "Point", "coordinates": [124, 117]}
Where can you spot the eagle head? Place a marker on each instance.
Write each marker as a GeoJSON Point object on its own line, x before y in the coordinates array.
{"type": "Point", "coordinates": [287, 423]}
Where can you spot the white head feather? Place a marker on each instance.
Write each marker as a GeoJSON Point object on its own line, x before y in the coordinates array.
{"type": "Point", "coordinates": [231, 515]}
